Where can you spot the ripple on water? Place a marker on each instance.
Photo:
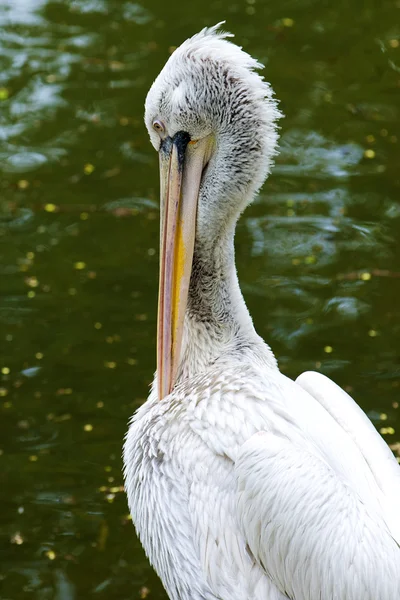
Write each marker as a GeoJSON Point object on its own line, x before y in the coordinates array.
{"type": "Point", "coordinates": [134, 204]}
{"type": "Point", "coordinates": [314, 229]}
{"type": "Point", "coordinates": [23, 161]}
{"type": "Point", "coordinates": [136, 13]}
{"type": "Point", "coordinates": [348, 307]}
{"type": "Point", "coordinates": [307, 153]}
{"type": "Point", "coordinates": [89, 6]}
{"type": "Point", "coordinates": [23, 12]}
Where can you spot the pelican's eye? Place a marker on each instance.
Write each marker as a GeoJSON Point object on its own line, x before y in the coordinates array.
{"type": "Point", "coordinates": [159, 126]}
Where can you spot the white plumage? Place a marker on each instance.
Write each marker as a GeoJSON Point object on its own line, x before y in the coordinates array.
{"type": "Point", "coordinates": [242, 484]}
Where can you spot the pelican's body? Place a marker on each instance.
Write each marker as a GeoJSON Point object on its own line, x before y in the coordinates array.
{"type": "Point", "coordinates": [242, 484]}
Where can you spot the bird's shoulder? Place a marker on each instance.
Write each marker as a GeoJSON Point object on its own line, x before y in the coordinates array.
{"type": "Point", "coordinates": [217, 410]}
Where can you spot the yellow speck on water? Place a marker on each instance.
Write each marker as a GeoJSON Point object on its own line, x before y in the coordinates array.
{"type": "Point", "coordinates": [88, 427]}
{"type": "Point", "coordinates": [4, 93]}
{"type": "Point", "coordinates": [296, 261]}
{"type": "Point", "coordinates": [110, 498]}
{"type": "Point", "coordinates": [387, 430]}
{"type": "Point", "coordinates": [80, 265]}
{"type": "Point", "coordinates": [98, 325]}
{"type": "Point", "coordinates": [141, 317]}
{"type": "Point", "coordinates": [3, 392]}
{"type": "Point", "coordinates": [88, 169]}
{"type": "Point", "coordinates": [369, 153]}
{"type": "Point", "coordinates": [108, 469]}
{"type": "Point", "coordinates": [50, 554]}
{"type": "Point", "coordinates": [72, 291]}
{"type": "Point", "coordinates": [84, 216]}
{"type": "Point", "coordinates": [5, 370]}
{"type": "Point", "coordinates": [31, 294]}
{"type": "Point", "coordinates": [310, 260]}
{"type": "Point", "coordinates": [33, 458]}
{"type": "Point", "coordinates": [100, 404]}
{"type": "Point", "coordinates": [365, 276]}
{"type": "Point", "coordinates": [17, 538]}
{"type": "Point", "coordinates": [110, 364]}
{"type": "Point", "coordinates": [290, 212]}
{"type": "Point", "coordinates": [370, 138]}
{"type": "Point", "coordinates": [328, 349]}
{"type": "Point", "coordinates": [30, 255]}
{"type": "Point", "coordinates": [23, 184]}
{"type": "Point", "coordinates": [109, 339]}
{"type": "Point", "coordinates": [7, 405]}
{"type": "Point", "coordinates": [394, 43]}
{"type": "Point", "coordinates": [383, 417]}
{"type": "Point", "coordinates": [32, 281]}
{"type": "Point", "coordinates": [39, 355]}
{"type": "Point", "coordinates": [144, 592]}
{"type": "Point", "coordinates": [287, 22]}
{"type": "Point", "coordinates": [131, 361]}
{"type": "Point", "coordinates": [50, 207]}
{"type": "Point", "coordinates": [372, 333]}
{"type": "Point", "coordinates": [384, 132]}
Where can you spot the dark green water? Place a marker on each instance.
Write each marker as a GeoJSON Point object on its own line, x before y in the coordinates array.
{"type": "Point", "coordinates": [318, 254]}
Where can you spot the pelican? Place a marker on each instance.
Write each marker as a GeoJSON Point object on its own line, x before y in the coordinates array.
{"type": "Point", "coordinates": [242, 484]}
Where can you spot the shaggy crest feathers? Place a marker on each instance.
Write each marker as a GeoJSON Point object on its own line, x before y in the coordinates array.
{"type": "Point", "coordinates": [213, 40]}
{"type": "Point", "coordinates": [211, 47]}
{"type": "Point", "coordinates": [210, 86]}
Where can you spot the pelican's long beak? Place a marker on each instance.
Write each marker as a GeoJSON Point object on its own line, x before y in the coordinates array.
{"type": "Point", "coordinates": [181, 167]}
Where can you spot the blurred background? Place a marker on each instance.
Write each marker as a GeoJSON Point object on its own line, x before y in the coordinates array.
{"type": "Point", "coordinates": [318, 253]}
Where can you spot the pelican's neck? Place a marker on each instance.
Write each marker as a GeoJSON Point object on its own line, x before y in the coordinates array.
{"type": "Point", "coordinates": [217, 321]}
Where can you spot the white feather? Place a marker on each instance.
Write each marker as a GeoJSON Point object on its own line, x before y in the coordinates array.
{"type": "Point", "coordinates": [309, 528]}
{"type": "Point", "coordinates": [379, 458]}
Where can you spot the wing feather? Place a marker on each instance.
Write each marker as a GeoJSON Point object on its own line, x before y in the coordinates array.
{"type": "Point", "coordinates": [308, 528]}
{"type": "Point", "coordinates": [356, 424]}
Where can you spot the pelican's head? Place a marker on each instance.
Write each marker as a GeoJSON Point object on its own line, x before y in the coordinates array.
{"type": "Point", "coordinates": [212, 118]}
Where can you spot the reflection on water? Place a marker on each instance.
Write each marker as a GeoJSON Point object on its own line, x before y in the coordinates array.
{"type": "Point", "coordinates": [318, 252]}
